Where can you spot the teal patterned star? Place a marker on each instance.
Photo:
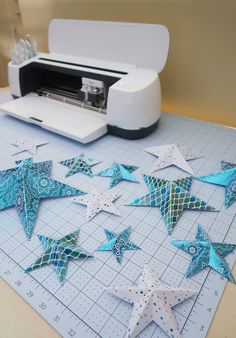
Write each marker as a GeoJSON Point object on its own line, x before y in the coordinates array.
{"type": "Point", "coordinates": [119, 172]}
{"type": "Point", "coordinates": [225, 178]}
{"type": "Point", "coordinates": [206, 253]}
{"type": "Point", "coordinates": [171, 197]}
{"type": "Point", "coordinates": [25, 185]}
{"type": "Point", "coordinates": [80, 164]}
{"type": "Point", "coordinates": [58, 253]}
{"type": "Point", "coordinates": [117, 243]}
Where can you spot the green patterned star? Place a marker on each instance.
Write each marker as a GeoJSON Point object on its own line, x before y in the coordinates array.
{"type": "Point", "coordinates": [80, 164]}
{"type": "Point", "coordinates": [171, 197]}
{"type": "Point", "coordinates": [58, 253]}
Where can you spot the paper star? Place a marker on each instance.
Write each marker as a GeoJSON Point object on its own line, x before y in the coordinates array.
{"type": "Point", "coordinates": [206, 253]}
{"type": "Point", "coordinates": [80, 164]}
{"type": "Point", "coordinates": [225, 178]}
{"type": "Point", "coordinates": [117, 243]}
{"type": "Point", "coordinates": [172, 154]}
{"type": "Point", "coordinates": [152, 301]}
{"type": "Point", "coordinates": [119, 172]}
{"type": "Point", "coordinates": [98, 201]}
{"type": "Point", "coordinates": [171, 197]}
{"type": "Point", "coordinates": [25, 185]}
{"type": "Point", "coordinates": [58, 253]}
{"type": "Point", "coordinates": [28, 144]}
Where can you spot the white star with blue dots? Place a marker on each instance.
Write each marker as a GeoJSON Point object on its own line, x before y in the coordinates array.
{"type": "Point", "coordinates": [152, 301]}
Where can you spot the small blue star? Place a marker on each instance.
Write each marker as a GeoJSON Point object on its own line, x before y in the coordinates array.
{"type": "Point", "coordinates": [117, 243]}
{"type": "Point", "coordinates": [225, 178]}
{"type": "Point", "coordinates": [119, 172]}
{"type": "Point", "coordinates": [206, 253]}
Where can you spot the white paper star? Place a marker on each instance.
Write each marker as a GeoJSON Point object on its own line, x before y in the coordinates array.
{"type": "Point", "coordinates": [152, 301]}
{"type": "Point", "coordinates": [29, 144]}
{"type": "Point", "coordinates": [172, 154]}
{"type": "Point", "coordinates": [97, 201]}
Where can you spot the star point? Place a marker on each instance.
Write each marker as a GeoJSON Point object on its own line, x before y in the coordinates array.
{"type": "Point", "coordinates": [225, 178]}
{"type": "Point", "coordinates": [118, 242]}
{"type": "Point", "coordinates": [119, 172]}
{"type": "Point", "coordinates": [172, 154]}
{"type": "Point", "coordinates": [206, 254]}
{"type": "Point", "coordinates": [29, 144]}
{"type": "Point", "coordinates": [98, 201]}
{"type": "Point", "coordinates": [58, 253]}
{"type": "Point", "coordinates": [25, 185]}
{"type": "Point", "coordinates": [152, 301]}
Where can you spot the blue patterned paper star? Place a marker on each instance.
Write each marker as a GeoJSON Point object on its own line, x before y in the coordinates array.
{"type": "Point", "coordinates": [58, 253]}
{"type": "Point", "coordinates": [119, 172]}
{"type": "Point", "coordinates": [206, 253]}
{"type": "Point", "coordinates": [171, 197]}
{"type": "Point", "coordinates": [225, 178]}
{"type": "Point", "coordinates": [117, 243]}
{"type": "Point", "coordinates": [25, 185]}
{"type": "Point", "coordinates": [80, 164]}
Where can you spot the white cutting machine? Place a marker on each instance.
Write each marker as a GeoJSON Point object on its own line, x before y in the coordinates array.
{"type": "Point", "coordinates": [98, 77]}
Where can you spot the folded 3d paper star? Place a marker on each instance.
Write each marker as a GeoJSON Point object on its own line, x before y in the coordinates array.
{"type": "Point", "coordinates": [206, 253]}
{"type": "Point", "coordinates": [119, 172]}
{"type": "Point", "coordinates": [29, 144]}
{"type": "Point", "coordinates": [58, 253]}
{"type": "Point", "coordinates": [171, 197]}
{"type": "Point", "coordinates": [80, 164]}
{"type": "Point", "coordinates": [152, 301]}
{"type": "Point", "coordinates": [172, 154]}
{"type": "Point", "coordinates": [225, 178]}
{"type": "Point", "coordinates": [117, 243]}
{"type": "Point", "coordinates": [25, 185]}
{"type": "Point", "coordinates": [98, 201]}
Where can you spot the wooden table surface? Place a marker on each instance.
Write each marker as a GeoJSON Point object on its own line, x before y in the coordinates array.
{"type": "Point", "coordinates": [19, 320]}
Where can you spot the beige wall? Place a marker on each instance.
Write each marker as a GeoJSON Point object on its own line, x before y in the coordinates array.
{"type": "Point", "coordinates": [200, 76]}
{"type": "Point", "coordinates": [9, 17]}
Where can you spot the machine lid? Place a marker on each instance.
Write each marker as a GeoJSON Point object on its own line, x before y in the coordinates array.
{"type": "Point", "coordinates": [143, 45]}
